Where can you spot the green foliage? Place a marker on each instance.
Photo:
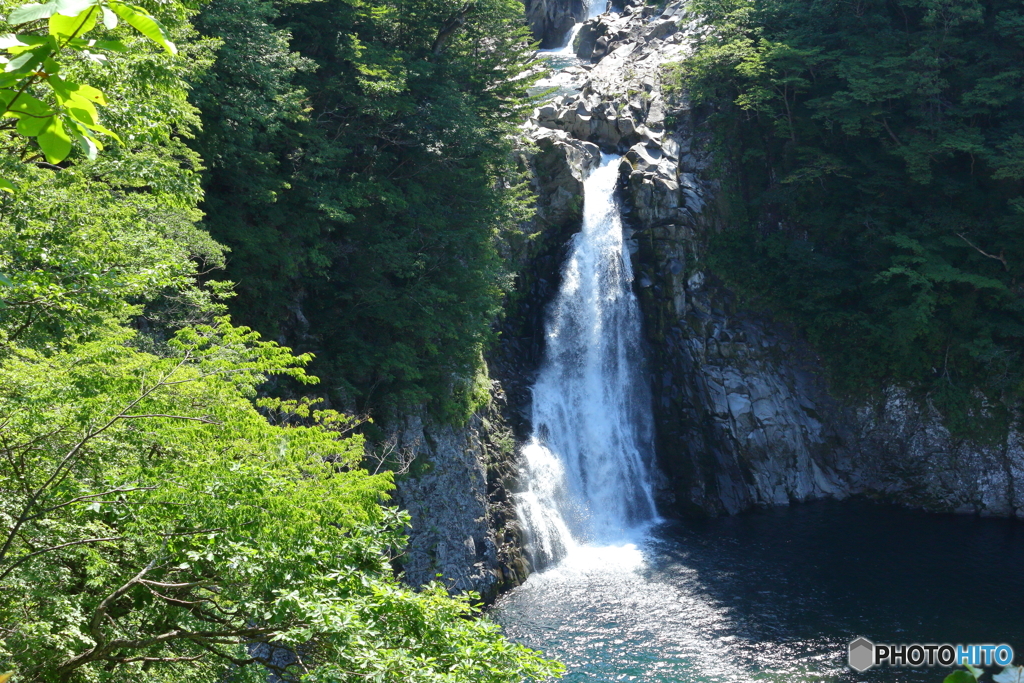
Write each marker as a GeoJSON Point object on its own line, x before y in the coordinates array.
{"type": "Point", "coordinates": [873, 150]}
{"type": "Point", "coordinates": [158, 521]}
{"type": "Point", "coordinates": [363, 216]}
{"type": "Point", "coordinates": [90, 244]}
{"type": "Point", "coordinates": [82, 251]}
{"type": "Point", "coordinates": [152, 516]}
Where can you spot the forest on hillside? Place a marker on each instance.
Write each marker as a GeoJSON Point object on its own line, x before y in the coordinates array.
{"type": "Point", "coordinates": [873, 155]}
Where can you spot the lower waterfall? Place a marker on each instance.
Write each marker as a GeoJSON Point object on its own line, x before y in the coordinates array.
{"type": "Point", "coordinates": [586, 463]}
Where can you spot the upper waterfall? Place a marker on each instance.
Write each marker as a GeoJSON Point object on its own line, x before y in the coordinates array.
{"type": "Point", "coordinates": [594, 8]}
{"type": "Point", "coordinates": [586, 463]}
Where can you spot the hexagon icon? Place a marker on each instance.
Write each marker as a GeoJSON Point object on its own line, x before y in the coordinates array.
{"type": "Point", "coordinates": [862, 654]}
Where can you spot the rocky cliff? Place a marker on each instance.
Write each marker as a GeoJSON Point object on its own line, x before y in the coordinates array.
{"type": "Point", "coordinates": [464, 532]}
{"type": "Point", "coordinates": [743, 415]}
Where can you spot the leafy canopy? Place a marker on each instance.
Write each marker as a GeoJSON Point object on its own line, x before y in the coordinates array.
{"type": "Point", "coordinates": [155, 521]}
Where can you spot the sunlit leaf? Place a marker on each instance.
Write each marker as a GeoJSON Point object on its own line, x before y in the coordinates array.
{"type": "Point", "coordinates": [25, 104]}
{"type": "Point", "coordinates": [55, 141]}
{"type": "Point", "coordinates": [9, 40]}
{"type": "Point", "coordinates": [109, 19]}
{"type": "Point", "coordinates": [32, 12]}
{"type": "Point", "coordinates": [144, 24]}
{"type": "Point", "coordinates": [67, 90]}
{"type": "Point", "coordinates": [72, 8]}
{"type": "Point", "coordinates": [83, 111]}
{"type": "Point", "coordinates": [74, 26]}
{"type": "Point", "coordinates": [88, 144]}
{"type": "Point", "coordinates": [28, 61]}
{"type": "Point", "coordinates": [31, 126]}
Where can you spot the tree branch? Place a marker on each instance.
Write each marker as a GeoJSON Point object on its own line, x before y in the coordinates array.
{"type": "Point", "coordinates": [1002, 254]}
{"type": "Point", "coordinates": [204, 420]}
{"type": "Point", "coordinates": [23, 558]}
{"type": "Point", "coordinates": [450, 27]}
{"type": "Point", "coordinates": [83, 498]}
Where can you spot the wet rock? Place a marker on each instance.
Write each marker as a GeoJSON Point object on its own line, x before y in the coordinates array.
{"type": "Point", "coordinates": [586, 38]}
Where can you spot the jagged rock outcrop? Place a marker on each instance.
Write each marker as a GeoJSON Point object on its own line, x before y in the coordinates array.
{"type": "Point", "coordinates": [743, 415]}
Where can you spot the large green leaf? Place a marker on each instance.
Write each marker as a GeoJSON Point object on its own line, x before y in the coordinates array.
{"type": "Point", "coordinates": [26, 62]}
{"type": "Point", "coordinates": [83, 112]}
{"type": "Point", "coordinates": [68, 90]}
{"type": "Point", "coordinates": [27, 105]}
{"type": "Point", "coordinates": [32, 12]}
{"type": "Point", "coordinates": [72, 8]}
{"type": "Point", "coordinates": [109, 19]}
{"type": "Point", "coordinates": [65, 27]}
{"type": "Point", "coordinates": [31, 126]}
{"type": "Point", "coordinates": [144, 24]}
{"type": "Point", "coordinates": [90, 145]}
{"type": "Point", "coordinates": [55, 141]}
{"type": "Point", "coordinates": [9, 40]}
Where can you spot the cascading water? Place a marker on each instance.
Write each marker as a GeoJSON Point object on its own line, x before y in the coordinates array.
{"type": "Point", "coordinates": [594, 8]}
{"type": "Point", "coordinates": [586, 462]}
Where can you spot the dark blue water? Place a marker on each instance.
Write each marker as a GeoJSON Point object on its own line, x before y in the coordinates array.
{"type": "Point", "coordinates": [776, 595]}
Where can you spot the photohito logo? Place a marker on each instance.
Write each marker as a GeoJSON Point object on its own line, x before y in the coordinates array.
{"type": "Point", "coordinates": [863, 654]}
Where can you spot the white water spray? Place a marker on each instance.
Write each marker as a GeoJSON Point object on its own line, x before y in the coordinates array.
{"type": "Point", "coordinates": [586, 464]}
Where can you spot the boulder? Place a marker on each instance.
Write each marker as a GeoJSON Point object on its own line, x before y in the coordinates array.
{"type": "Point", "coordinates": [659, 29]}
{"type": "Point", "coordinates": [587, 37]}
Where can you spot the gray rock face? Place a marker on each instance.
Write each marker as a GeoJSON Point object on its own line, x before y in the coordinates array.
{"type": "Point", "coordinates": [743, 415]}
{"type": "Point", "coordinates": [559, 166]}
{"type": "Point", "coordinates": [551, 20]}
{"type": "Point", "coordinates": [464, 531]}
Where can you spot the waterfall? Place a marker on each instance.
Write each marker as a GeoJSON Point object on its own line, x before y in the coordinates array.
{"type": "Point", "coordinates": [585, 465]}
{"type": "Point", "coordinates": [594, 8]}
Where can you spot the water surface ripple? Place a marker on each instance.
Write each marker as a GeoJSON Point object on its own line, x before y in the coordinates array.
{"type": "Point", "coordinates": [775, 595]}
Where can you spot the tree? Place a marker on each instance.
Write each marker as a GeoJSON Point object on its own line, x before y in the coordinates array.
{"type": "Point", "coordinates": [158, 521]}
{"type": "Point", "coordinates": [67, 111]}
